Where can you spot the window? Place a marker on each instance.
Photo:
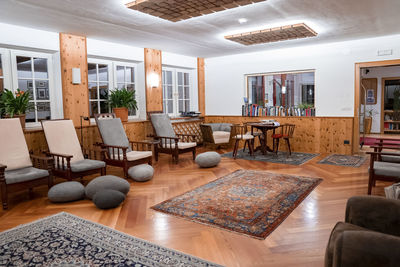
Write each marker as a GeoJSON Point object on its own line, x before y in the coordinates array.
{"type": "Point", "coordinates": [176, 91]}
{"type": "Point", "coordinates": [99, 85]}
{"type": "Point", "coordinates": [32, 73]}
{"type": "Point", "coordinates": [125, 78]}
{"type": "Point", "coordinates": [1, 74]}
{"type": "Point", "coordinates": [282, 89]}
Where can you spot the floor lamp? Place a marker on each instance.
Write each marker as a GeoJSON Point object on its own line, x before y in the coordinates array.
{"type": "Point", "coordinates": [82, 119]}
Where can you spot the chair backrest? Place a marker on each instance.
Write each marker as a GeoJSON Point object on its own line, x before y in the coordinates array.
{"type": "Point", "coordinates": [14, 152]}
{"type": "Point", "coordinates": [162, 125]}
{"type": "Point", "coordinates": [288, 130]}
{"type": "Point", "coordinates": [112, 132]}
{"type": "Point", "coordinates": [61, 138]}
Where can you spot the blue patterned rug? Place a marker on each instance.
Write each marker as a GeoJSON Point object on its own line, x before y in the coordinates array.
{"type": "Point", "coordinates": [297, 158]}
{"type": "Point", "coordinates": [67, 240]}
{"type": "Point", "coordinates": [343, 160]}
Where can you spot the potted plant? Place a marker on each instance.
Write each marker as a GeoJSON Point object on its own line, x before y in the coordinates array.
{"type": "Point", "coordinates": [121, 100]}
{"type": "Point", "coordinates": [15, 105]}
{"type": "Point", "coordinates": [369, 114]}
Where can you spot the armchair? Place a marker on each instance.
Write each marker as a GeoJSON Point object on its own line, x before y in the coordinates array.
{"type": "Point", "coordinates": [18, 169]}
{"type": "Point", "coordinates": [120, 151]}
{"type": "Point", "coordinates": [216, 134]}
{"type": "Point", "coordinates": [370, 235]}
{"type": "Point", "coordinates": [170, 142]}
{"type": "Point", "coordinates": [68, 158]}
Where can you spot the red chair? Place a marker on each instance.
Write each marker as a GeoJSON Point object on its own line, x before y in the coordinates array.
{"type": "Point", "coordinates": [286, 133]}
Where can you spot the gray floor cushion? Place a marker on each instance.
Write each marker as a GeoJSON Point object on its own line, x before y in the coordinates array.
{"type": "Point", "coordinates": [107, 182]}
{"type": "Point", "coordinates": [141, 173]}
{"type": "Point", "coordinates": [108, 199]}
{"type": "Point", "coordinates": [66, 192]}
{"type": "Point", "coordinates": [24, 174]}
{"type": "Point", "coordinates": [87, 164]}
{"type": "Point", "coordinates": [208, 159]}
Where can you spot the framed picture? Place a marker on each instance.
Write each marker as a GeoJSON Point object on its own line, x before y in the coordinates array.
{"type": "Point", "coordinates": [369, 91]}
{"type": "Point", "coordinates": [371, 97]}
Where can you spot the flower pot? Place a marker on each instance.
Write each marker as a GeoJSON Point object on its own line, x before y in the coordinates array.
{"type": "Point", "coordinates": [367, 125]}
{"type": "Point", "coordinates": [21, 118]}
{"type": "Point", "coordinates": [121, 113]}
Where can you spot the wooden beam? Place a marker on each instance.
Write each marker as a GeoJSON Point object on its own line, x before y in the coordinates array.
{"type": "Point", "coordinates": [73, 54]}
{"type": "Point", "coordinates": [153, 69]}
{"type": "Point", "coordinates": [201, 85]}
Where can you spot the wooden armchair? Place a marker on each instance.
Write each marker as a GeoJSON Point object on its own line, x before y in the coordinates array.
{"type": "Point", "coordinates": [216, 134]}
{"type": "Point", "coordinates": [120, 151]}
{"type": "Point", "coordinates": [18, 169]}
{"type": "Point", "coordinates": [68, 156]}
{"type": "Point", "coordinates": [169, 141]}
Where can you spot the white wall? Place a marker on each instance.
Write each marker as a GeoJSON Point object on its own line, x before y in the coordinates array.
{"type": "Point", "coordinates": [379, 73]}
{"type": "Point", "coordinates": [334, 73]}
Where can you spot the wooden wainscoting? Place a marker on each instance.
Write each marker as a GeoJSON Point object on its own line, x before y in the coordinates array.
{"type": "Point", "coordinates": [312, 134]}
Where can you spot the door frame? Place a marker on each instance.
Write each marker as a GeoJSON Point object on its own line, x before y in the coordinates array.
{"type": "Point", "coordinates": [357, 80]}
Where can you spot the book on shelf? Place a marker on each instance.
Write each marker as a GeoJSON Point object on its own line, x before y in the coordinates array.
{"type": "Point", "coordinates": [253, 110]}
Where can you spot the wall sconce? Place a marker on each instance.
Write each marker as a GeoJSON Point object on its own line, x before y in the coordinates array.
{"type": "Point", "coordinates": [76, 76]}
{"type": "Point", "coordinates": [283, 89]}
{"type": "Point", "coordinates": [153, 80]}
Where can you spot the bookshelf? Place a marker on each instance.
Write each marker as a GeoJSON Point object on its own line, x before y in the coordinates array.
{"type": "Point", "coordinates": [389, 124]}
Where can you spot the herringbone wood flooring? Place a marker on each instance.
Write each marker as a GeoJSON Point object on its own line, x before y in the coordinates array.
{"type": "Point", "coordinates": [299, 241]}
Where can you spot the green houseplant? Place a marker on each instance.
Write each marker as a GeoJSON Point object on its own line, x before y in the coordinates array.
{"type": "Point", "coordinates": [121, 100]}
{"type": "Point", "coordinates": [15, 104]}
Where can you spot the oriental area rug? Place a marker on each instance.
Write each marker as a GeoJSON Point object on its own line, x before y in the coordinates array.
{"type": "Point", "coordinates": [248, 202]}
{"type": "Point", "coordinates": [297, 158]}
{"type": "Point", "coordinates": [66, 240]}
{"type": "Point", "coordinates": [343, 160]}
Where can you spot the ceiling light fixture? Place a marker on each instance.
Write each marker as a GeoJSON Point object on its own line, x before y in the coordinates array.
{"type": "Point", "coordinates": [242, 20]}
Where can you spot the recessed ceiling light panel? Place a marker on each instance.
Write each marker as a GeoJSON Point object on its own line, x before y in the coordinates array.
{"type": "Point", "coordinates": [277, 34]}
{"type": "Point", "coordinates": [242, 20]}
{"type": "Point", "coordinates": [176, 10]}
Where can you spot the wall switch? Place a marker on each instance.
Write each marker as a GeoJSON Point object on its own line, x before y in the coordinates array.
{"type": "Point", "coordinates": [346, 142]}
{"type": "Point", "coordinates": [387, 52]}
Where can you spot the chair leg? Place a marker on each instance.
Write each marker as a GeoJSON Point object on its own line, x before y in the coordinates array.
{"type": "Point", "coordinates": [156, 153]}
{"type": "Point", "coordinates": [194, 153]}
{"type": "Point", "coordinates": [288, 147]}
{"type": "Point", "coordinates": [251, 147]}
{"type": "Point", "coordinates": [370, 182]}
{"type": "Point", "coordinates": [235, 149]}
{"type": "Point", "coordinates": [4, 196]}
{"type": "Point", "coordinates": [277, 146]}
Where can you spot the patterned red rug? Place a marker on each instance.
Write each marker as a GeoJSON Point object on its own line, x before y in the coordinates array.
{"type": "Point", "coordinates": [249, 202]}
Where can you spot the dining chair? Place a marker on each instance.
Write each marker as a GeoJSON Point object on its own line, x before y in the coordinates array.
{"type": "Point", "coordinates": [241, 134]}
{"type": "Point", "coordinates": [285, 133]}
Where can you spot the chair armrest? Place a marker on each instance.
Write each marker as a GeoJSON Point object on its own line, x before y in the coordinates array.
{"type": "Point", "coordinates": [41, 162]}
{"type": "Point", "coordinates": [114, 153]}
{"type": "Point", "coordinates": [367, 249]}
{"type": "Point", "coordinates": [93, 152]}
{"type": "Point", "coordinates": [2, 167]}
{"type": "Point", "coordinates": [374, 213]}
{"type": "Point", "coordinates": [142, 145]}
{"type": "Point", "coordinates": [60, 161]}
{"type": "Point", "coordinates": [59, 155]}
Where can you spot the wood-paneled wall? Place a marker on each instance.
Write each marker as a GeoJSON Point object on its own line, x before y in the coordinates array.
{"type": "Point", "coordinates": [201, 85]}
{"type": "Point", "coordinates": [73, 54]}
{"type": "Point", "coordinates": [153, 65]}
{"type": "Point", "coordinates": [312, 134]}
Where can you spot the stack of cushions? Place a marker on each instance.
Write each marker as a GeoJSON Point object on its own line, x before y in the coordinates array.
{"type": "Point", "coordinates": [141, 173]}
{"type": "Point", "coordinates": [221, 132]}
{"type": "Point", "coordinates": [107, 192]}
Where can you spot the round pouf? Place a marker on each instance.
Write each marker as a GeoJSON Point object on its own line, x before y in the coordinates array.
{"type": "Point", "coordinates": [108, 199]}
{"type": "Point", "coordinates": [208, 159]}
{"type": "Point", "coordinates": [107, 182]}
{"type": "Point", "coordinates": [66, 192]}
{"type": "Point", "coordinates": [141, 173]}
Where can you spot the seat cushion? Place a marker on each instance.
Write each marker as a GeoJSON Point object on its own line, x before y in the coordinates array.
{"type": "Point", "coordinates": [244, 137]}
{"type": "Point", "coordinates": [221, 137]}
{"type": "Point", "coordinates": [66, 192]}
{"type": "Point", "coordinates": [141, 173]}
{"type": "Point", "coordinates": [108, 199]}
{"type": "Point", "coordinates": [208, 159]}
{"type": "Point", "coordinates": [387, 169]}
{"type": "Point", "coordinates": [86, 165]}
{"type": "Point", "coordinates": [135, 155]}
{"type": "Point", "coordinates": [24, 175]}
{"type": "Point", "coordinates": [339, 228]}
{"type": "Point", "coordinates": [277, 135]}
{"type": "Point", "coordinates": [182, 145]}
{"type": "Point", "coordinates": [106, 182]}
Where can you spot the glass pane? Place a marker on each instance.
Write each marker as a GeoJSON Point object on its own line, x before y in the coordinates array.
{"type": "Point", "coordinates": [170, 106]}
{"type": "Point", "coordinates": [187, 92]}
{"type": "Point", "coordinates": [132, 112]}
{"type": "Point", "coordinates": [1, 84]}
{"type": "Point", "coordinates": [1, 68]}
{"type": "Point", "coordinates": [186, 80]}
{"type": "Point", "coordinates": [92, 72]}
{"type": "Point", "coordinates": [40, 68]}
{"type": "Point", "coordinates": [26, 86]}
{"type": "Point", "coordinates": [181, 106]}
{"type": "Point", "coordinates": [94, 108]}
{"type": "Point", "coordinates": [180, 91]}
{"type": "Point", "coordinates": [163, 77]}
{"type": "Point", "coordinates": [103, 73]}
{"type": "Point", "coordinates": [42, 90]}
{"type": "Point", "coordinates": [165, 106]}
{"type": "Point", "coordinates": [170, 91]}
{"type": "Point", "coordinates": [43, 111]}
{"type": "Point", "coordinates": [120, 74]}
{"type": "Point", "coordinates": [104, 108]}
{"type": "Point", "coordinates": [92, 90]}
{"type": "Point", "coordinates": [24, 67]}
{"type": "Point", "coordinates": [30, 116]}
{"type": "Point", "coordinates": [169, 77]}
{"type": "Point", "coordinates": [120, 85]}
{"type": "Point", "coordinates": [180, 78]}
{"type": "Point", "coordinates": [130, 87]}
{"type": "Point", "coordinates": [187, 105]}
{"type": "Point", "coordinates": [130, 75]}
{"type": "Point", "coordinates": [103, 90]}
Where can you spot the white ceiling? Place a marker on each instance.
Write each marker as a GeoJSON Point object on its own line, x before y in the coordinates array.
{"type": "Point", "coordinates": [110, 20]}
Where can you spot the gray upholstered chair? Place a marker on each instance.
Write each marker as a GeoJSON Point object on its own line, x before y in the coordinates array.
{"type": "Point", "coordinates": [69, 161]}
{"type": "Point", "coordinates": [370, 235]}
{"type": "Point", "coordinates": [120, 151]}
{"type": "Point", "coordinates": [19, 169]}
{"type": "Point", "coordinates": [216, 134]}
{"type": "Point", "coordinates": [169, 141]}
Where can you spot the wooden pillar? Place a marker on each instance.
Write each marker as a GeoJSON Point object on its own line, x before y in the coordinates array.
{"type": "Point", "coordinates": [73, 54]}
{"type": "Point", "coordinates": [201, 85]}
{"type": "Point", "coordinates": [153, 71]}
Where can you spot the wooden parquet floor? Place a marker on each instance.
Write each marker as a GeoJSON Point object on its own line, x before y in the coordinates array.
{"type": "Point", "coordinates": [299, 241]}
